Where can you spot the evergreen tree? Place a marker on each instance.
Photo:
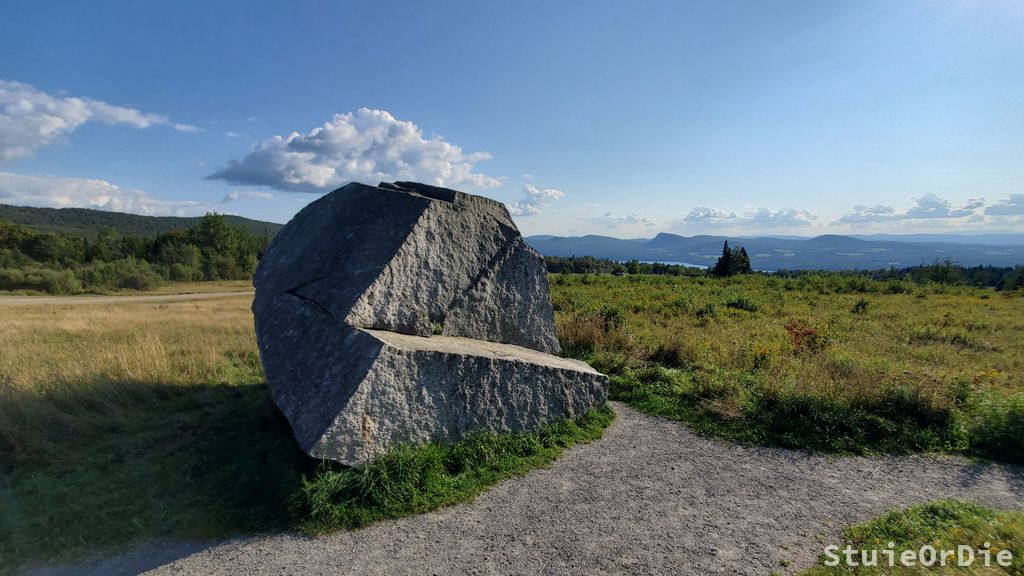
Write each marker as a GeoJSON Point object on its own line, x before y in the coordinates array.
{"type": "Point", "coordinates": [724, 265]}
{"type": "Point", "coordinates": [743, 262]}
{"type": "Point", "coordinates": [733, 261]}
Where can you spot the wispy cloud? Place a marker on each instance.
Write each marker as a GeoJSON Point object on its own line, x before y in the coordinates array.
{"type": "Point", "coordinates": [239, 194]}
{"type": "Point", "coordinates": [31, 119]}
{"type": "Point", "coordinates": [60, 192]}
{"type": "Point", "coordinates": [364, 146]}
{"type": "Point", "coordinates": [533, 199]}
{"type": "Point", "coordinates": [187, 128]}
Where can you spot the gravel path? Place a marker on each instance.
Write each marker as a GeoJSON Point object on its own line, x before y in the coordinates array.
{"type": "Point", "coordinates": [651, 497]}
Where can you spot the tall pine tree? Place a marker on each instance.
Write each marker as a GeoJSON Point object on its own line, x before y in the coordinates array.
{"type": "Point", "coordinates": [733, 261]}
{"type": "Point", "coordinates": [724, 265]}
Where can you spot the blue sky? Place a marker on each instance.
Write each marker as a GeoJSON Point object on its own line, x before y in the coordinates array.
{"type": "Point", "coordinates": [616, 118]}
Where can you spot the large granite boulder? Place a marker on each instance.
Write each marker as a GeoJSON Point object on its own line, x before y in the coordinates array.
{"type": "Point", "coordinates": [406, 312]}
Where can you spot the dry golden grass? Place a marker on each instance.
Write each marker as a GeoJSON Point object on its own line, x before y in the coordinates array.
{"type": "Point", "coordinates": [191, 342]}
{"type": "Point", "coordinates": [126, 422]}
{"type": "Point", "coordinates": [202, 287]}
{"type": "Point", "coordinates": [135, 420]}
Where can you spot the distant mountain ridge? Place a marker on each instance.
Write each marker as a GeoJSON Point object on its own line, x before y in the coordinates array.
{"type": "Point", "coordinates": [86, 222]}
{"type": "Point", "coordinates": [828, 252]}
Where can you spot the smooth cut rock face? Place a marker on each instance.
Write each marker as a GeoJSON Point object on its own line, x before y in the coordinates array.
{"type": "Point", "coordinates": [409, 313]}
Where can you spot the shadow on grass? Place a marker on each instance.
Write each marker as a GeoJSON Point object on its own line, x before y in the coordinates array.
{"type": "Point", "coordinates": [96, 467]}
{"type": "Point", "coordinates": [897, 421]}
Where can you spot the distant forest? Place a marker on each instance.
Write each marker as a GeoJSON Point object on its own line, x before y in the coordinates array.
{"type": "Point", "coordinates": [591, 265]}
{"type": "Point", "coordinates": [214, 247]}
{"type": "Point", "coordinates": [946, 273]}
{"type": "Point", "coordinates": [60, 263]}
{"type": "Point", "coordinates": [87, 223]}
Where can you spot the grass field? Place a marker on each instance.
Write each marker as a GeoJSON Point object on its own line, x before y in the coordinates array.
{"type": "Point", "coordinates": [825, 363]}
{"type": "Point", "coordinates": [200, 287]}
{"type": "Point", "coordinates": [944, 525]}
{"type": "Point", "coordinates": [121, 422]}
{"type": "Point", "coordinates": [169, 288]}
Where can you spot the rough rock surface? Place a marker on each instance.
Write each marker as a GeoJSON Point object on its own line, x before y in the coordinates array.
{"type": "Point", "coordinates": [406, 312]}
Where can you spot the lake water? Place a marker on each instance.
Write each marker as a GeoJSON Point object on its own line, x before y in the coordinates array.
{"type": "Point", "coordinates": [671, 263]}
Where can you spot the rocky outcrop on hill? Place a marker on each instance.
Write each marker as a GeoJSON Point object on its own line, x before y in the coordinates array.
{"type": "Point", "coordinates": [407, 313]}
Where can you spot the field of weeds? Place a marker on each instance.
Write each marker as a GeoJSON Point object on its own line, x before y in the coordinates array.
{"type": "Point", "coordinates": [822, 362]}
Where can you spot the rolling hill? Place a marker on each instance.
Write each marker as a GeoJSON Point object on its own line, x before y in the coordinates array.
{"type": "Point", "coordinates": [85, 222]}
{"type": "Point", "coordinates": [829, 252]}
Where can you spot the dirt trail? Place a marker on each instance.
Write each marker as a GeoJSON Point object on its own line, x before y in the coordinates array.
{"type": "Point", "coordinates": [75, 300]}
{"type": "Point", "coordinates": [651, 497]}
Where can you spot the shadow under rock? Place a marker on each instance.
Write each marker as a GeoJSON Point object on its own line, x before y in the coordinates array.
{"type": "Point", "coordinates": [92, 470]}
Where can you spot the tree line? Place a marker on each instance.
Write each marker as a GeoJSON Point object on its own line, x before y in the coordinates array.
{"type": "Point", "coordinates": [736, 261]}
{"type": "Point", "coordinates": [947, 273]}
{"type": "Point", "coordinates": [214, 249]}
{"type": "Point", "coordinates": [591, 265]}
{"type": "Point", "coordinates": [59, 263]}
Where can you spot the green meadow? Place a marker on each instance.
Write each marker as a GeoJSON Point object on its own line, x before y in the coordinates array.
{"type": "Point", "coordinates": [829, 363]}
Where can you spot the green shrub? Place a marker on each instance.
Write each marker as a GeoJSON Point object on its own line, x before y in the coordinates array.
{"type": "Point", "coordinates": [860, 306]}
{"type": "Point", "coordinates": [744, 407]}
{"type": "Point", "coordinates": [612, 317]}
{"type": "Point", "coordinates": [707, 313]}
{"type": "Point", "coordinates": [178, 272]}
{"type": "Point", "coordinates": [898, 422]}
{"type": "Point", "coordinates": [11, 279]}
{"type": "Point", "coordinates": [672, 354]}
{"type": "Point", "coordinates": [129, 273]}
{"type": "Point", "coordinates": [742, 302]}
{"type": "Point", "coordinates": [40, 279]}
{"type": "Point", "coordinates": [997, 430]}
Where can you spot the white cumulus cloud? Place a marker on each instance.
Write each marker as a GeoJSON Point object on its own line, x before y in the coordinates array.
{"type": "Point", "coordinates": [533, 199]}
{"type": "Point", "coordinates": [927, 207]}
{"type": "Point", "coordinates": [61, 192]}
{"type": "Point", "coordinates": [785, 218]}
{"type": "Point", "coordinates": [757, 218]}
{"type": "Point", "coordinates": [611, 221]}
{"type": "Point", "coordinates": [364, 146]}
{"type": "Point", "coordinates": [1012, 206]}
{"type": "Point", "coordinates": [708, 215]}
{"type": "Point", "coordinates": [864, 214]}
{"type": "Point", "coordinates": [31, 119]}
